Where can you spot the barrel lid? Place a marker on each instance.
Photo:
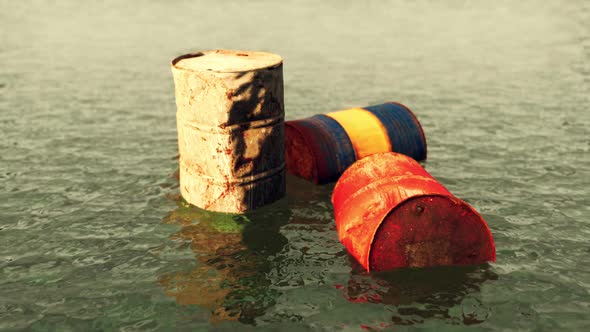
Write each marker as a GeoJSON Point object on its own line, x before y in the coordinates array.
{"type": "Point", "coordinates": [227, 61]}
{"type": "Point", "coordinates": [431, 230]}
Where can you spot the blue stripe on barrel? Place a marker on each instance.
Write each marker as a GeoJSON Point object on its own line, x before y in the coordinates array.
{"type": "Point", "coordinates": [330, 140]}
{"type": "Point", "coordinates": [404, 131]}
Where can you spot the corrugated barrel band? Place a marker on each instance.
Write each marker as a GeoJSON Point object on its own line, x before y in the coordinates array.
{"type": "Point", "coordinates": [231, 180]}
{"type": "Point", "coordinates": [404, 130]}
{"type": "Point", "coordinates": [329, 143]}
{"type": "Point", "coordinates": [271, 121]}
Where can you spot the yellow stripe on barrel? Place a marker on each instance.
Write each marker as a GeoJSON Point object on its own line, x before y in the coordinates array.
{"type": "Point", "coordinates": [367, 133]}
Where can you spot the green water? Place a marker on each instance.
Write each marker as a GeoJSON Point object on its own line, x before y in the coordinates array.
{"type": "Point", "coordinates": [93, 235]}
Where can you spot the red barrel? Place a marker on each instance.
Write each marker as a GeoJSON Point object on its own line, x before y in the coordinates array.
{"type": "Point", "coordinates": [391, 213]}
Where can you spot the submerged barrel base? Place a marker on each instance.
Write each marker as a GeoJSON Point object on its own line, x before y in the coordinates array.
{"type": "Point", "coordinates": [229, 197]}
{"type": "Point", "coordinates": [431, 230]}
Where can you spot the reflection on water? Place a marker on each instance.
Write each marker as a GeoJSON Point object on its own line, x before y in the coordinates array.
{"type": "Point", "coordinates": [233, 253]}
{"type": "Point", "coordinates": [242, 271]}
{"type": "Point", "coordinates": [423, 293]}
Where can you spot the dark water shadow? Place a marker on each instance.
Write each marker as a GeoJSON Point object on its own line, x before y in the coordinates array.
{"type": "Point", "coordinates": [303, 194]}
{"type": "Point", "coordinates": [421, 294]}
{"type": "Point", "coordinates": [233, 254]}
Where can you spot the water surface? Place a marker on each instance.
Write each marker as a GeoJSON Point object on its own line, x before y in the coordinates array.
{"type": "Point", "coordinates": [93, 235]}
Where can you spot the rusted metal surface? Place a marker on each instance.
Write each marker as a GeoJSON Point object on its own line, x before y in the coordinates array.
{"type": "Point", "coordinates": [318, 149]}
{"type": "Point", "coordinates": [299, 158]}
{"type": "Point", "coordinates": [391, 213]}
{"type": "Point", "coordinates": [230, 113]}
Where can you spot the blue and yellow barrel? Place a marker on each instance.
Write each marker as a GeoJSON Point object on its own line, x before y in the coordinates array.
{"type": "Point", "coordinates": [320, 148]}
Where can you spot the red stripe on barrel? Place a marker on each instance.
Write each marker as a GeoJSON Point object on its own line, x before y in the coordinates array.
{"type": "Point", "coordinates": [300, 161]}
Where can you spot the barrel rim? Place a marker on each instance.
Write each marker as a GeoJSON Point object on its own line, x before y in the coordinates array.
{"type": "Point", "coordinates": [451, 196]}
{"type": "Point", "coordinates": [417, 123]}
{"type": "Point", "coordinates": [201, 53]}
{"type": "Point", "coordinates": [292, 125]}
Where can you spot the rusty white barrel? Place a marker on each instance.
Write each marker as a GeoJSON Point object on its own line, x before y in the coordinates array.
{"type": "Point", "coordinates": [230, 117]}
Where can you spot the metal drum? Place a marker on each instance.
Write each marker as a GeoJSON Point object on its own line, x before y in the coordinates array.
{"type": "Point", "coordinates": [321, 147]}
{"type": "Point", "coordinates": [231, 139]}
{"type": "Point", "coordinates": [390, 213]}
